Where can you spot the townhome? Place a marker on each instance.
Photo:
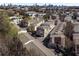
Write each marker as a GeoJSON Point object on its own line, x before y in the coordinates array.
{"type": "Point", "coordinates": [45, 28]}
{"type": "Point", "coordinates": [76, 37]}
{"type": "Point", "coordinates": [57, 37]}
{"type": "Point", "coordinates": [34, 23]}
{"type": "Point", "coordinates": [16, 19]}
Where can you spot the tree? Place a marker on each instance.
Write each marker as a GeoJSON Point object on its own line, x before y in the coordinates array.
{"type": "Point", "coordinates": [74, 17]}
{"type": "Point", "coordinates": [24, 22]}
{"type": "Point", "coordinates": [10, 12]}
{"type": "Point", "coordinates": [9, 42]}
{"type": "Point", "coordinates": [46, 17]}
{"type": "Point", "coordinates": [68, 30]}
{"type": "Point", "coordinates": [4, 23]}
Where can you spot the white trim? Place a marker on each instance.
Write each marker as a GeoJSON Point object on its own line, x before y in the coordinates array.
{"type": "Point", "coordinates": [28, 42]}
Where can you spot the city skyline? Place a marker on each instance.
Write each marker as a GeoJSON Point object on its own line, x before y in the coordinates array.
{"type": "Point", "coordinates": [30, 2]}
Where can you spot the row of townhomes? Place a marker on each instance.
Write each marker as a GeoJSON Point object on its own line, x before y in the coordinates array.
{"type": "Point", "coordinates": [47, 31]}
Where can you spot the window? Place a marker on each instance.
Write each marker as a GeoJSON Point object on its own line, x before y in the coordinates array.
{"type": "Point", "coordinates": [77, 49]}
{"type": "Point", "coordinates": [57, 40]}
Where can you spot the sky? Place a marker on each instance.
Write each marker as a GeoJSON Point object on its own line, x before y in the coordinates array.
{"type": "Point", "coordinates": [55, 2]}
